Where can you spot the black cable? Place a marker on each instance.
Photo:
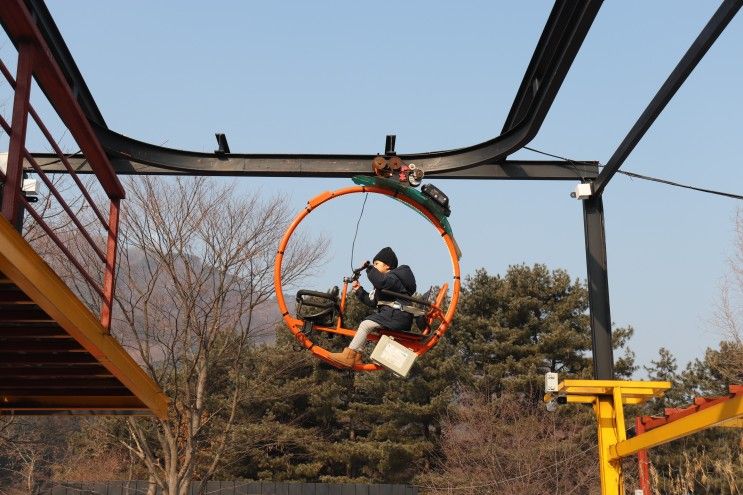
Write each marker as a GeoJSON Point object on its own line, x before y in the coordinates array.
{"type": "Point", "coordinates": [638, 176]}
{"type": "Point", "coordinates": [353, 244]}
{"type": "Point", "coordinates": [676, 184]}
{"type": "Point", "coordinates": [573, 163]}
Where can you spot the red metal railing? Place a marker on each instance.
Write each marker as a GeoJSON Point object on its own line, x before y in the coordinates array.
{"type": "Point", "coordinates": [35, 61]}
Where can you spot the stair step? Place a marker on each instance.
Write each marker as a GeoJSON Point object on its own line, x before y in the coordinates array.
{"type": "Point", "coordinates": [38, 345]}
{"type": "Point", "coordinates": [47, 383]}
{"type": "Point", "coordinates": [31, 330]}
{"type": "Point", "coordinates": [20, 392]}
{"type": "Point", "coordinates": [18, 314]}
{"type": "Point", "coordinates": [11, 359]}
{"type": "Point", "coordinates": [13, 295]}
{"type": "Point", "coordinates": [70, 370]}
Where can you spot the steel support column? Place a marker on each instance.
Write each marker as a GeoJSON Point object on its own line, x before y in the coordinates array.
{"type": "Point", "coordinates": [643, 460]}
{"type": "Point", "coordinates": [109, 276]}
{"type": "Point", "coordinates": [608, 398]}
{"type": "Point", "coordinates": [605, 410]}
{"type": "Point", "coordinates": [11, 202]}
{"type": "Point", "coordinates": [598, 288]}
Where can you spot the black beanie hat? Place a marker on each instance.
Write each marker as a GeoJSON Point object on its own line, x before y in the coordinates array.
{"type": "Point", "coordinates": [387, 256]}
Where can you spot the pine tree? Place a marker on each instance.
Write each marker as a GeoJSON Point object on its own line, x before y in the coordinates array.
{"type": "Point", "coordinates": [306, 421]}
{"type": "Point", "coordinates": [708, 462]}
{"type": "Point", "coordinates": [666, 369]}
{"type": "Point", "coordinates": [513, 329]}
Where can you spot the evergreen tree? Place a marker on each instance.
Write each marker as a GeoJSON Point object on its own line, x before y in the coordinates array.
{"type": "Point", "coordinates": [666, 369]}
{"type": "Point", "coordinates": [708, 462]}
{"type": "Point", "coordinates": [309, 422]}
{"type": "Point", "coordinates": [511, 330]}
{"type": "Point", "coordinates": [716, 371]}
{"type": "Point", "coordinates": [511, 444]}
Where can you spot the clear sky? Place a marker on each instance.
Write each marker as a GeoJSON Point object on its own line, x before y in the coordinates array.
{"type": "Point", "coordinates": [332, 77]}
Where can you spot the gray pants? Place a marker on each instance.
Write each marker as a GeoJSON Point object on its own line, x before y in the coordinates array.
{"type": "Point", "coordinates": [365, 327]}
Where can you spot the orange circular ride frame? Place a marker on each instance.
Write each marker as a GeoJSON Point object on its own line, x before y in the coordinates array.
{"type": "Point", "coordinates": [295, 324]}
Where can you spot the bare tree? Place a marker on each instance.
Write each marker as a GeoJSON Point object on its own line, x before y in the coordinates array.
{"type": "Point", "coordinates": [510, 444]}
{"type": "Point", "coordinates": [728, 363]}
{"type": "Point", "coordinates": [29, 448]}
{"type": "Point", "coordinates": [196, 267]}
{"type": "Point", "coordinates": [60, 223]}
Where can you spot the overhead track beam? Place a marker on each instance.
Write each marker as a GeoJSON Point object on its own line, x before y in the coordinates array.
{"type": "Point", "coordinates": [564, 33]}
{"type": "Point", "coordinates": [507, 169]}
{"type": "Point", "coordinates": [696, 52]}
{"type": "Point", "coordinates": [566, 28]}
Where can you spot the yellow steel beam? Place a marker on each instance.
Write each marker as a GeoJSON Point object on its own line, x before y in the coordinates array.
{"type": "Point", "coordinates": [700, 420]}
{"type": "Point", "coordinates": [619, 414]}
{"type": "Point", "coordinates": [608, 398]}
{"type": "Point", "coordinates": [20, 263]}
{"type": "Point", "coordinates": [732, 423]}
{"type": "Point", "coordinates": [630, 388]}
{"type": "Point", "coordinates": [587, 399]}
{"type": "Point", "coordinates": [584, 391]}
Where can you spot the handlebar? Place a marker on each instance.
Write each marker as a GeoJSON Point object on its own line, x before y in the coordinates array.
{"type": "Point", "coordinates": [357, 272]}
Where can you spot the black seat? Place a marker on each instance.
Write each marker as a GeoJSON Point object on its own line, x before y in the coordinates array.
{"type": "Point", "coordinates": [321, 308]}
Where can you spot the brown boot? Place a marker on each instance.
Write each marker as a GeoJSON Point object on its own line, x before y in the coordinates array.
{"type": "Point", "coordinates": [347, 358]}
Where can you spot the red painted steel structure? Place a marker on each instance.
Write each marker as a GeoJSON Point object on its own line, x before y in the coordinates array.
{"type": "Point", "coordinates": [109, 279]}
{"type": "Point", "coordinates": [17, 134]}
{"type": "Point", "coordinates": [647, 423]}
{"type": "Point", "coordinates": [19, 25]}
{"type": "Point", "coordinates": [643, 459]}
{"type": "Point", "coordinates": [35, 61]}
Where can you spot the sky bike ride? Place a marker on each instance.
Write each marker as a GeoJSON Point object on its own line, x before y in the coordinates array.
{"type": "Point", "coordinates": [393, 297]}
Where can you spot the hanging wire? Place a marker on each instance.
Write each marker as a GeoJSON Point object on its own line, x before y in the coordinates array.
{"type": "Point", "coordinates": [353, 244]}
{"type": "Point", "coordinates": [573, 163]}
{"type": "Point", "coordinates": [684, 186]}
{"type": "Point", "coordinates": [637, 176]}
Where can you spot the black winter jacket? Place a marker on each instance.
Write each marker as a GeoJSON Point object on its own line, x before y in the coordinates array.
{"type": "Point", "coordinates": [401, 280]}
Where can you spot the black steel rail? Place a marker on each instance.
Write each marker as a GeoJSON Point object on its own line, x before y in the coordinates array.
{"type": "Point", "coordinates": [505, 170]}
{"type": "Point", "coordinates": [716, 25]}
{"type": "Point", "coordinates": [563, 34]}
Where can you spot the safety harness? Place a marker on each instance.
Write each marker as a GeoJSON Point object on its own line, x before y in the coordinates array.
{"type": "Point", "coordinates": [403, 307]}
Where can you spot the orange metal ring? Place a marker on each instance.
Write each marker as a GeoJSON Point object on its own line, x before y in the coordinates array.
{"type": "Point", "coordinates": [295, 324]}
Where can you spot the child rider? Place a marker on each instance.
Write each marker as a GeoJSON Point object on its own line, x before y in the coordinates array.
{"type": "Point", "coordinates": [383, 273]}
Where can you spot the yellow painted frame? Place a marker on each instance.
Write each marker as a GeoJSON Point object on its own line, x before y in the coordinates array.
{"type": "Point", "coordinates": [608, 398]}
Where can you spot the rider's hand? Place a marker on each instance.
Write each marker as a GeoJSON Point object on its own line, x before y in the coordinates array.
{"type": "Point", "coordinates": [355, 285]}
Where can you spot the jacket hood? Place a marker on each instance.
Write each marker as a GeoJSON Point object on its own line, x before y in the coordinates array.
{"type": "Point", "coordinates": [405, 275]}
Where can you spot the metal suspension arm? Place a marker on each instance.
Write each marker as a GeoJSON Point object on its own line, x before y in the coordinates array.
{"type": "Point", "coordinates": [696, 52]}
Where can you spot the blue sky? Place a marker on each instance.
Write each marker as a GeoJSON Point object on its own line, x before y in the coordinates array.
{"type": "Point", "coordinates": [332, 77]}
